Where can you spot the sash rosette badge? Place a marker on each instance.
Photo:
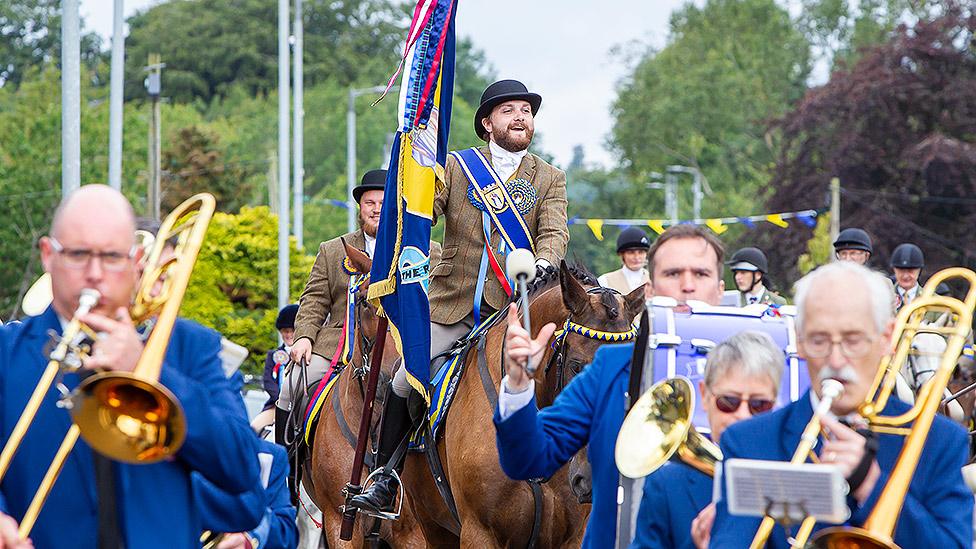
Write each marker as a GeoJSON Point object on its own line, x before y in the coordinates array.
{"type": "Point", "coordinates": [414, 267]}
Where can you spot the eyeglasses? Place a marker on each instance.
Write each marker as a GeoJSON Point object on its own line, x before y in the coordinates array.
{"type": "Point", "coordinates": [850, 254]}
{"type": "Point", "coordinates": [851, 345]}
{"type": "Point", "coordinates": [79, 258]}
{"type": "Point", "coordinates": [730, 404]}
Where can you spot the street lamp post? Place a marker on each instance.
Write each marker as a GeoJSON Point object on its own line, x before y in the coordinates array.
{"type": "Point", "coordinates": [351, 151]}
{"type": "Point", "coordinates": [697, 183]}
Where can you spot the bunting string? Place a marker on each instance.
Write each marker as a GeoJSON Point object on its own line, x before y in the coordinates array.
{"type": "Point", "coordinates": [718, 225]}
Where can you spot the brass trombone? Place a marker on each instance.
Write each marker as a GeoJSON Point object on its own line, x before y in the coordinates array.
{"type": "Point", "coordinates": [658, 427]}
{"type": "Point", "coordinates": [878, 529]}
{"type": "Point", "coordinates": [144, 417]}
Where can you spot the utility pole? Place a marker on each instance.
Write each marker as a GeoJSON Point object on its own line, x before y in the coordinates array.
{"type": "Point", "coordinates": [834, 208]}
{"type": "Point", "coordinates": [115, 99]}
{"type": "Point", "coordinates": [351, 150]}
{"type": "Point", "coordinates": [671, 197]}
{"type": "Point", "coordinates": [299, 127]}
{"type": "Point", "coordinates": [70, 97]}
{"type": "Point", "coordinates": [283, 179]}
{"type": "Point", "coordinates": [697, 183]}
{"type": "Point", "coordinates": [154, 87]}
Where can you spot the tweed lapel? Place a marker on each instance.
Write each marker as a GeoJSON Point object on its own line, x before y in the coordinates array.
{"type": "Point", "coordinates": [526, 169]}
{"type": "Point", "coordinates": [36, 340]}
{"type": "Point", "coordinates": [357, 239]}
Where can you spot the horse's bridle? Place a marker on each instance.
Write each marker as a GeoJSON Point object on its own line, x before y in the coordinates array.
{"type": "Point", "coordinates": [558, 358]}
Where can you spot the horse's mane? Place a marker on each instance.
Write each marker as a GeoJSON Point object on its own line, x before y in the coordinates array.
{"type": "Point", "coordinates": [550, 277]}
{"type": "Point", "coordinates": [581, 273]}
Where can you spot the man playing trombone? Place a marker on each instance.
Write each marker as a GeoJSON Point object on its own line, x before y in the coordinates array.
{"type": "Point", "coordinates": [99, 502]}
{"type": "Point", "coordinates": [844, 326]}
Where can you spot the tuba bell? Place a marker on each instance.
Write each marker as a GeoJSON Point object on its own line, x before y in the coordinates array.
{"type": "Point", "coordinates": [659, 427]}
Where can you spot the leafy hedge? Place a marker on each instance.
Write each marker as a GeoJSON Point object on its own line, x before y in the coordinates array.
{"type": "Point", "coordinates": [235, 280]}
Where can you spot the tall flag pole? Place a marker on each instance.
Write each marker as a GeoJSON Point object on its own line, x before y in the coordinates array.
{"type": "Point", "coordinates": [401, 261]}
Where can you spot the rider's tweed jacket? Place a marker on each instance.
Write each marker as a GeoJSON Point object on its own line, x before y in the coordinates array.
{"type": "Point", "coordinates": [322, 307]}
{"type": "Point", "coordinates": [454, 278]}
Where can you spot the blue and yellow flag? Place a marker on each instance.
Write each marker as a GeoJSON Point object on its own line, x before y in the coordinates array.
{"type": "Point", "coordinates": [401, 261]}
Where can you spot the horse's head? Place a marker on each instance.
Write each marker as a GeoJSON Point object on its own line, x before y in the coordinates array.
{"type": "Point", "coordinates": [593, 316]}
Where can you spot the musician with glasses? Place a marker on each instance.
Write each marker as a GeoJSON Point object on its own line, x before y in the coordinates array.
{"type": "Point", "coordinates": [98, 502]}
{"type": "Point", "coordinates": [844, 326]}
{"type": "Point", "coordinates": [742, 379]}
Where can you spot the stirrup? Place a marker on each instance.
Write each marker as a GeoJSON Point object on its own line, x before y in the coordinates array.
{"type": "Point", "coordinates": [382, 515]}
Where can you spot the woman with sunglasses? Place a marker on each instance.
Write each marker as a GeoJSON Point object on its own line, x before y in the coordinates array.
{"type": "Point", "coordinates": [741, 380]}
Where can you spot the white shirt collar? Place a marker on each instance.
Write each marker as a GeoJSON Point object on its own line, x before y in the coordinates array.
{"type": "Point", "coordinates": [505, 162]}
{"type": "Point", "coordinates": [757, 292]}
{"type": "Point", "coordinates": [370, 244]}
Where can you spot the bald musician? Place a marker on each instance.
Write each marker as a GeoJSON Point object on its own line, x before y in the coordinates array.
{"type": "Point", "coordinates": [97, 502]}
{"type": "Point", "coordinates": [844, 327]}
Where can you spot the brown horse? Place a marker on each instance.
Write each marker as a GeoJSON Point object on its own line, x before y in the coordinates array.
{"type": "Point", "coordinates": [493, 510]}
{"type": "Point", "coordinates": [334, 443]}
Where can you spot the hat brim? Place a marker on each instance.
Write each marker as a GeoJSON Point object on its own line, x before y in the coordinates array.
{"type": "Point", "coordinates": [626, 247]}
{"type": "Point", "coordinates": [744, 266]}
{"type": "Point", "coordinates": [534, 100]}
{"type": "Point", "coordinates": [359, 190]}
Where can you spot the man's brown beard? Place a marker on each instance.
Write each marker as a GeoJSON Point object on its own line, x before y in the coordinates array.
{"type": "Point", "coordinates": [362, 225]}
{"type": "Point", "coordinates": [510, 143]}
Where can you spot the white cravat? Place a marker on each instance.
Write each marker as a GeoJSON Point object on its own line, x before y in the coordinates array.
{"type": "Point", "coordinates": [505, 162]}
{"type": "Point", "coordinates": [633, 278]}
{"type": "Point", "coordinates": [370, 244]}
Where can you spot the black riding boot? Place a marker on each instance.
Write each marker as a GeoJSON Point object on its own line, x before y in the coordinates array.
{"type": "Point", "coordinates": [280, 424]}
{"type": "Point", "coordinates": [379, 496]}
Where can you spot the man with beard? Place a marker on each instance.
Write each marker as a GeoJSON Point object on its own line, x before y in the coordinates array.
{"type": "Point", "coordinates": [322, 307]}
{"type": "Point", "coordinates": [495, 198]}
{"type": "Point", "coordinates": [844, 326]}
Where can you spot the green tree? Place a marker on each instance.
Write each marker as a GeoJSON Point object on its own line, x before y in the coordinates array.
{"type": "Point", "coordinates": [212, 46]}
{"type": "Point", "coordinates": [820, 247]}
{"type": "Point", "coordinates": [234, 286]}
{"type": "Point", "coordinates": [841, 29]}
{"type": "Point", "coordinates": [704, 99]}
{"type": "Point", "coordinates": [30, 35]}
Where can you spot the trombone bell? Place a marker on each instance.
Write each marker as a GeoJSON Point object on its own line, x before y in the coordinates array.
{"type": "Point", "coordinates": [658, 426]}
{"type": "Point", "coordinates": [128, 418]}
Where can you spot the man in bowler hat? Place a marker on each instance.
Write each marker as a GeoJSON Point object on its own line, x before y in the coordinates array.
{"type": "Point", "coordinates": [464, 289]}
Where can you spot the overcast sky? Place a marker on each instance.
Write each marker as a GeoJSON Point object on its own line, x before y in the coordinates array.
{"type": "Point", "coordinates": [561, 49]}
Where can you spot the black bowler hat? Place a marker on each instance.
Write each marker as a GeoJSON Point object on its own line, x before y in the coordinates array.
{"type": "Point", "coordinates": [373, 180]}
{"type": "Point", "coordinates": [499, 92]}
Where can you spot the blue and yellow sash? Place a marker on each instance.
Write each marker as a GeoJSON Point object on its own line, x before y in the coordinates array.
{"type": "Point", "coordinates": [493, 193]}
